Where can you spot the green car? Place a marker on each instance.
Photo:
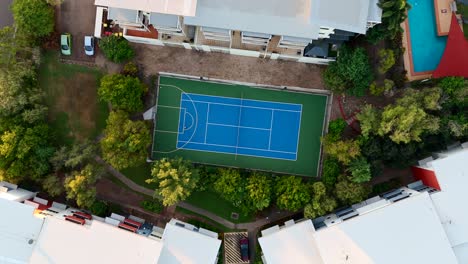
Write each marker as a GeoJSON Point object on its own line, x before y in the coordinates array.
{"type": "Point", "coordinates": [65, 44]}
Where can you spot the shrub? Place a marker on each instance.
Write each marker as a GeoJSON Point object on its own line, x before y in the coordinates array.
{"type": "Point", "coordinates": [386, 60]}
{"type": "Point", "coordinates": [360, 170]}
{"type": "Point", "coordinates": [130, 69]}
{"type": "Point", "coordinates": [336, 128]}
{"type": "Point", "coordinates": [451, 84]}
{"type": "Point", "coordinates": [116, 49]}
{"type": "Point", "coordinates": [330, 171]}
{"type": "Point", "coordinates": [154, 206]}
{"type": "Point", "coordinates": [99, 208]}
{"type": "Point", "coordinates": [351, 72]}
{"type": "Point", "coordinates": [379, 90]}
{"type": "Point", "coordinates": [34, 18]}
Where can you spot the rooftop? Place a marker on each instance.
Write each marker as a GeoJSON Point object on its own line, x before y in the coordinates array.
{"type": "Point", "coordinates": [19, 231]}
{"type": "Point", "coordinates": [183, 244]}
{"type": "Point", "coordinates": [175, 7]}
{"type": "Point", "coordinates": [64, 242]}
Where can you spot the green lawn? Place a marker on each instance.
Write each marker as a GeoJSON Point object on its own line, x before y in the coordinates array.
{"type": "Point", "coordinates": [71, 95]}
{"type": "Point", "coordinates": [214, 225]}
{"type": "Point", "coordinates": [211, 201]}
{"type": "Point", "coordinates": [140, 174]}
{"type": "Point", "coordinates": [305, 132]}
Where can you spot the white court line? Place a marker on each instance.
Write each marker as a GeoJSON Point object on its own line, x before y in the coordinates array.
{"type": "Point", "coordinates": [178, 121]}
{"type": "Point", "coordinates": [183, 122]}
{"type": "Point", "coordinates": [299, 131]}
{"type": "Point", "coordinates": [247, 155]}
{"type": "Point", "coordinates": [208, 95]}
{"type": "Point", "coordinates": [166, 131]}
{"type": "Point", "coordinates": [229, 146]}
{"type": "Point", "coordinates": [193, 121]}
{"type": "Point", "coordinates": [256, 128]}
{"type": "Point", "coordinates": [271, 129]}
{"type": "Point", "coordinates": [207, 117]}
{"type": "Point", "coordinates": [168, 106]}
{"type": "Point", "coordinates": [255, 107]}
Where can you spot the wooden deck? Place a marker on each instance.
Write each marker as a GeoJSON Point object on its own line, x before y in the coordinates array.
{"type": "Point", "coordinates": [443, 14]}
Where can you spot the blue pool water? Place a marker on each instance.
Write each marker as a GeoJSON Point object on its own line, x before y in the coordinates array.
{"type": "Point", "coordinates": [239, 126]}
{"type": "Point", "coordinates": [426, 46]}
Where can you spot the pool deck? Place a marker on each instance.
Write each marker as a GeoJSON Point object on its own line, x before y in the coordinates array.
{"type": "Point", "coordinates": [443, 14]}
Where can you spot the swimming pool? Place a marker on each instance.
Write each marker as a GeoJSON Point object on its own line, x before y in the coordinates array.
{"type": "Point", "coordinates": [427, 48]}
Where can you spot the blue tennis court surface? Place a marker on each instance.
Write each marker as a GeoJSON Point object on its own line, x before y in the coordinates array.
{"type": "Point", "coordinates": [239, 126]}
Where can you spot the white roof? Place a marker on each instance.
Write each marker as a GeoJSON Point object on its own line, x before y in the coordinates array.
{"type": "Point", "coordinates": [175, 7]}
{"type": "Point", "coordinates": [18, 195]}
{"type": "Point", "coordinates": [375, 12]}
{"type": "Point", "coordinates": [65, 242]}
{"type": "Point", "coordinates": [408, 231]}
{"type": "Point", "coordinates": [341, 14]}
{"type": "Point", "coordinates": [292, 244]}
{"type": "Point", "coordinates": [19, 231]}
{"type": "Point", "coordinates": [275, 17]}
{"type": "Point", "coordinates": [450, 202]}
{"type": "Point", "coordinates": [184, 246]}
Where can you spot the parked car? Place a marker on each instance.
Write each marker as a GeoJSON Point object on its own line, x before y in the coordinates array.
{"type": "Point", "coordinates": [65, 44]}
{"type": "Point", "coordinates": [89, 45]}
{"type": "Point", "coordinates": [244, 249]}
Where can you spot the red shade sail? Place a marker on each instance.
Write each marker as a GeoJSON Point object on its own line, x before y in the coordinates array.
{"type": "Point", "coordinates": [454, 62]}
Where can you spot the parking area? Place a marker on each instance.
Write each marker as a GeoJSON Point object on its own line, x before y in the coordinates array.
{"type": "Point", "coordinates": [77, 18]}
{"type": "Point", "coordinates": [232, 254]}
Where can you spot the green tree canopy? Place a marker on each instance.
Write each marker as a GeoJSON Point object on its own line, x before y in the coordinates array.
{"type": "Point", "coordinates": [386, 60]}
{"type": "Point", "coordinates": [351, 73]}
{"type": "Point", "coordinates": [33, 17]}
{"type": "Point", "coordinates": [393, 14]}
{"type": "Point", "coordinates": [330, 171]}
{"type": "Point", "coordinates": [291, 193]}
{"type": "Point", "coordinates": [360, 170]}
{"type": "Point", "coordinates": [321, 203]}
{"type": "Point", "coordinates": [230, 185]}
{"type": "Point", "coordinates": [116, 49]}
{"type": "Point", "coordinates": [336, 128]}
{"type": "Point", "coordinates": [125, 143]}
{"type": "Point", "coordinates": [80, 186]}
{"type": "Point", "coordinates": [24, 151]}
{"type": "Point", "coordinates": [176, 179]}
{"type": "Point", "coordinates": [78, 155]}
{"type": "Point", "coordinates": [123, 92]}
{"type": "Point", "coordinates": [342, 150]}
{"type": "Point", "coordinates": [258, 191]}
{"type": "Point", "coordinates": [350, 192]}
{"type": "Point", "coordinates": [53, 185]}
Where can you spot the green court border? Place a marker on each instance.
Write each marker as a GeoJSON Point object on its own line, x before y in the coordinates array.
{"type": "Point", "coordinates": [314, 120]}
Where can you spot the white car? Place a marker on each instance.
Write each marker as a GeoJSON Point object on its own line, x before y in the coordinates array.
{"type": "Point", "coordinates": [89, 45]}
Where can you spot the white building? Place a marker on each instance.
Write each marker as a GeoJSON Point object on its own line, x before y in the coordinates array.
{"type": "Point", "coordinates": [418, 224]}
{"type": "Point", "coordinates": [34, 230]}
{"type": "Point", "coordinates": [273, 29]}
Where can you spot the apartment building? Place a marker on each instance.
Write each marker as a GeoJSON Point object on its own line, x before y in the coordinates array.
{"type": "Point", "coordinates": [300, 30]}
{"type": "Point", "coordinates": [35, 230]}
{"type": "Point", "coordinates": [424, 222]}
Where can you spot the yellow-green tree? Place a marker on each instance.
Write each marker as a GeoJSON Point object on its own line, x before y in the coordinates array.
{"type": "Point", "coordinates": [321, 203]}
{"type": "Point", "coordinates": [258, 191]}
{"type": "Point", "coordinates": [291, 193]}
{"type": "Point", "coordinates": [80, 186]}
{"type": "Point", "coordinates": [342, 150]}
{"type": "Point", "coordinates": [175, 178]}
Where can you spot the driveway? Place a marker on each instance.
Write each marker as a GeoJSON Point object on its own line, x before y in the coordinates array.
{"type": "Point", "coordinates": [77, 18]}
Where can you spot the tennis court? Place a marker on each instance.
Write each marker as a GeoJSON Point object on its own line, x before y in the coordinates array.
{"type": "Point", "coordinates": [239, 126]}
{"type": "Point", "coordinates": [236, 125]}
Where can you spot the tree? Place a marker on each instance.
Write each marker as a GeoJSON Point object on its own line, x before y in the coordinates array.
{"type": "Point", "coordinates": [291, 193]}
{"type": "Point", "coordinates": [116, 49]}
{"type": "Point", "coordinates": [125, 142]}
{"type": "Point", "coordinates": [351, 72]}
{"type": "Point", "coordinates": [321, 203]}
{"type": "Point", "coordinates": [404, 124]}
{"type": "Point", "coordinates": [25, 151]}
{"type": "Point", "coordinates": [230, 186]}
{"type": "Point", "coordinates": [370, 120]}
{"type": "Point", "coordinates": [343, 150]}
{"type": "Point", "coordinates": [123, 92]}
{"type": "Point", "coordinates": [360, 170]}
{"type": "Point", "coordinates": [378, 90]}
{"type": "Point", "coordinates": [33, 17]}
{"type": "Point", "coordinates": [393, 14]}
{"type": "Point", "coordinates": [53, 185]}
{"type": "Point", "coordinates": [71, 158]}
{"type": "Point", "coordinates": [258, 190]}
{"type": "Point", "coordinates": [330, 171]}
{"type": "Point", "coordinates": [350, 192]}
{"type": "Point", "coordinates": [99, 208]}
{"type": "Point", "coordinates": [176, 179]}
{"type": "Point", "coordinates": [80, 185]}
